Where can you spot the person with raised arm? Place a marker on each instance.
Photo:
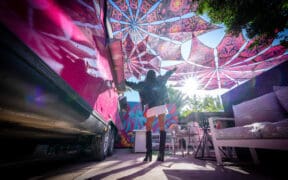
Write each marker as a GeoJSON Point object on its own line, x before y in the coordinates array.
{"type": "Point", "coordinates": [154, 97]}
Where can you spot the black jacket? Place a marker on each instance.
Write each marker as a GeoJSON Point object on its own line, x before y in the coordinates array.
{"type": "Point", "coordinates": [152, 93]}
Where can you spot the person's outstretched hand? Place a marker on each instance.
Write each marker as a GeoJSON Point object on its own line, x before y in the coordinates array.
{"type": "Point", "coordinates": [174, 69]}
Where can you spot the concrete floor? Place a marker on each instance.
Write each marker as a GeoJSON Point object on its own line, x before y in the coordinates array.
{"type": "Point", "coordinates": [125, 164]}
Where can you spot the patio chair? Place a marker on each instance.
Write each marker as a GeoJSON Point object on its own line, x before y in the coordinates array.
{"type": "Point", "coordinates": [180, 138]}
{"type": "Point", "coordinates": [194, 133]}
{"type": "Point", "coordinates": [169, 141]}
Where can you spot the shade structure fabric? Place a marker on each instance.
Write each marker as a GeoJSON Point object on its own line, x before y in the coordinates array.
{"type": "Point", "coordinates": [156, 33]}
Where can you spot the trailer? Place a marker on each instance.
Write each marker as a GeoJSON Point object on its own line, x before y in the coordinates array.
{"type": "Point", "coordinates": [58, 83]}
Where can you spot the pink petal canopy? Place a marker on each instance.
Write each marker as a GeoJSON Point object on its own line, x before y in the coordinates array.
{"type": "Point", "coordinates": [154, 33]}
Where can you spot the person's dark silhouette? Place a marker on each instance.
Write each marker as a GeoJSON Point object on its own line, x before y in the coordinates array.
{"type": "Point", "coordinates": [154, 96]}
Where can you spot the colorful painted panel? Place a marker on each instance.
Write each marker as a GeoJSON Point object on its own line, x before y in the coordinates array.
{"type": "Point", "coordinates": [132, 118]}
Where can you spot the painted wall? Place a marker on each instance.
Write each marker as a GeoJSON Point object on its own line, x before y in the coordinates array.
{"type": "Point", "coordinates": [132, 118]}
{"type": "Point", "coordinates": [69, 36]}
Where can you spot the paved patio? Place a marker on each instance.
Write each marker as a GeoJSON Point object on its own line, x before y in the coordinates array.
{"type": "Point", "coordinates": [125, 164]}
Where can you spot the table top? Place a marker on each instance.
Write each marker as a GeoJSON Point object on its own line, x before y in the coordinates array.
{"type": "Point", "coordinates": [139, 130]}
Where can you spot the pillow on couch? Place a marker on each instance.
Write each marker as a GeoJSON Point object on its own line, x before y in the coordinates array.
{"type": "Point", "coordinates": [260, 109]}
{"type": "Point", "coordinates": [282, 95]}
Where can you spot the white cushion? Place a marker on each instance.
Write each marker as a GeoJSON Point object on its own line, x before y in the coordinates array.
{"type": "Point", "coordinates": [259, 130]}
{"type": "Point", "coordinates": [240, 132]}
{"type": "Point", "coordinates": [275, 130]}
{"type": "Point", "coordinates": [260, 109]}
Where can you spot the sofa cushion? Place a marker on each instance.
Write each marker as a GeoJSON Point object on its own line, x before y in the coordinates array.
{"type": "Point", "coordinates": [259, 130]}
{"type": "Point", "coordinates": [275, 130]}
{"type": "Point", "coordinates": [260, 109]}
{"type": "Point", "coordinates": [282, 95]}
{"type": "Point", "coordinates": [240, 132]}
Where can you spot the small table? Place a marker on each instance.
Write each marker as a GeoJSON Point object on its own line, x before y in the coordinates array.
{"type": "Point", "coordinates": [140, 140]}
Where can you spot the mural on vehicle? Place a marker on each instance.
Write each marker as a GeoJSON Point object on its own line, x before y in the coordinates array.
{"type": "Point", "coordinates": [70, 37]}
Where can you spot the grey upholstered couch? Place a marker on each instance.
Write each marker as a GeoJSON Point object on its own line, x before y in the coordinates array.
{"type": "Point", "coordinates": [261, 122]}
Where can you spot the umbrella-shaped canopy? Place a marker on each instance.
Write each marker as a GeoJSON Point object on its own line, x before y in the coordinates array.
{"type": "Point", "coordinates": [156, 33]}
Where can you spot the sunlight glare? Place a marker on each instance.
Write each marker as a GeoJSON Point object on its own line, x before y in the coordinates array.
{"type": "Point", "coordinates": [190, 86]}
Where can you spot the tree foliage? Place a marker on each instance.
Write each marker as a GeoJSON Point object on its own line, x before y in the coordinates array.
{"type": "Point", "coordinates": [185, 105]}
{"type": "Point", "coordinates": [177, 97]}
{"type": "Point", "coordinates": [261, 18]}
{"type": "Point", "coordinates": [206, 104]}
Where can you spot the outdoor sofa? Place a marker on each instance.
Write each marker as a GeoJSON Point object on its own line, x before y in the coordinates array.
{"type": "Point", "coordinates": [261, 122]}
